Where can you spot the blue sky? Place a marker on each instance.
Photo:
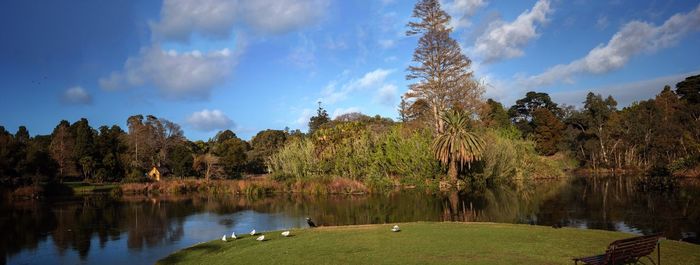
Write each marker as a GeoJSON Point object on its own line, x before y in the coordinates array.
{"type": "Point", "coordinates": [252, 65]}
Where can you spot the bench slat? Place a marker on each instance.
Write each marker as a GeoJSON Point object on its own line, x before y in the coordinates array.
{"type": "Point", "coordinates": [624, 251]}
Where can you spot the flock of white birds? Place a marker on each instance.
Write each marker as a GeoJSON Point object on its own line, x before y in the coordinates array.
{"type": "Point", "coordinates": [284, 234]}
{"type": "Point", "coordinates": [252, 233]}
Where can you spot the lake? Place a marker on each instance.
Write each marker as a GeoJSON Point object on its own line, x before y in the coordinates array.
{"type": "Point", "coordinates": [99, 229]}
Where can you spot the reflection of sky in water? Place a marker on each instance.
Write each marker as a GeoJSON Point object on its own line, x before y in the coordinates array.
{"type": "Point", "coordinates": [207, 226]}
{"type": "Point", "coordinates": [197, 228]}
{"type": "Point", "coordinates": [141, 231]}
{"type": "Point", "coordinates": [618, 226]}
{"type": "Point", "coordinates": [622, 227]}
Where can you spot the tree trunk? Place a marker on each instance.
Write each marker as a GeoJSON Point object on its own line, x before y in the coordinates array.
{"type": "Point", "coordinates": [604, 155]}
{"type": "Point", "coordinates": [206, 173]}
{"type": "Point", "coordinates": [452, 171]}
{"type": "Point", "coordinates": [438, 120]}
{"type": "Point", "coordinates": [454, 205]}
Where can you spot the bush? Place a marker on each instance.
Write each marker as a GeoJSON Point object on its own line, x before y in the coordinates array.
{"type": "Point", "coordinates": [359, 153]}
{"type": "Point", "coordinates": [508, 158]}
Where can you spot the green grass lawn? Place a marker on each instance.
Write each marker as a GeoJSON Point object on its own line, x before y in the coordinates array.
{"type": "Point", "coordinates": [420, 243]}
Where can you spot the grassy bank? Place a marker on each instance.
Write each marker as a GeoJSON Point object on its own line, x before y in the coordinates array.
{"type": "Point", "coordinates": [82, 187]}
{"type": "Point", "coordinates": [250, 186]}
{"type": "Point", "coordinates": [421, 243]}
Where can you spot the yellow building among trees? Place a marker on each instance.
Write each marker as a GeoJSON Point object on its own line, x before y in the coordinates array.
{"type": "Point", "coordinates": [156, 172]}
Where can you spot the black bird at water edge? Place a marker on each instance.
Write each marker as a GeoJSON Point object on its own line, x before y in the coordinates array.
{"type": "Point", "coordinates": [310, 222]}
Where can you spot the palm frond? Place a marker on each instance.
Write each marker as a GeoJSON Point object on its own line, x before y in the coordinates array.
{"type": "Point", "coordinates": [457, 142]}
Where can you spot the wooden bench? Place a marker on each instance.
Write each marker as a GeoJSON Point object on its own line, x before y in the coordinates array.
{"type": "Point", "coordinates": [627, 251]}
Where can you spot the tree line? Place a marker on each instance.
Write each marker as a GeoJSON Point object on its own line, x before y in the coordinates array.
{"type": "Point", "coordinates": [78, 151]}
{"type": "Point", "coordinates": [661, 132]}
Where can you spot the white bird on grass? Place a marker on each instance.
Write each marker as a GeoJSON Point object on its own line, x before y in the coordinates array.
{"type": "Point", "coordinates": [233, 235]}
{"type": "Point", "coordinates": [395, 228]}
{"type": "Point", "coordinates": [285, 233]}
{"type": "Point", "coordinates": [261, 238]}
{"type": "Point", "coordinates": [252, 233]}
{"type": "Point", "coordinates": [223, 238]}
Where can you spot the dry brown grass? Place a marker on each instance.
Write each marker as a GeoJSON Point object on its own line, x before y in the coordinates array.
{"type": "Point", "coordinates": [28, 192]}
{"type": "Point", "coordinates": [346, 186]}
{"type": "Point", "coordinates": [248, 186]}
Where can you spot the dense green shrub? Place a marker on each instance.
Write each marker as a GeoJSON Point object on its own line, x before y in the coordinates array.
{"type": "Point", "coordinates": [407, 155]}
{"type": "Point", "coordinates": [297, 159]}
{"type": "Point", "coordinates": [509, 158]}
{"type": "Point", "coordinates": [356, 151]}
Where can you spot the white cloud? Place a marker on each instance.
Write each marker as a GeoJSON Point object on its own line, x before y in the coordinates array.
{"type": "Point", "coordinates": [375, 79]}
{"type": "Point", "coordinates": [624, 94]}
{"type": "Point", "coordinates": [189, 75]}
{"type": "Point", "coordinates": [179, 19]}
{"type": "Point", "coordinates": [76, 95]}
{"type": "Point", "coordinates": [461, 11]}
{"type": "Point", "coordinates": [340, 111]}
{"type": "Point", "coordinates": [633, 38]}
{"type": "Point", "coordinates": [503, 40]}
{"type": "Point", "coordinates": [209, 120]}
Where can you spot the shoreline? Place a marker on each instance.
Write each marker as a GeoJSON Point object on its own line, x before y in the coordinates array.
{"type": "Point", "coordinates": [257, 185]}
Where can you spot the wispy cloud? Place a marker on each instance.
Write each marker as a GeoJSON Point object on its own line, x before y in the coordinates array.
{"type": "Point", "coordinates": [386, 44]}
{"type": "Point", "coordinates": [340, 111]}
{"type": "Point", "coordinates": [461, 11]}
{"type": "Point", "coordinates": [302, 120]}
{"type": "Point", "coordinates": [602, 22]}
{"type": "Point", "coordinates": [304, 54]}
{"type": "Point", "coordinates": [335, 92]}
{"type": "Point", "coordinates": [387, 95]}
{"type": "Point", "coordinates": [632, 39]}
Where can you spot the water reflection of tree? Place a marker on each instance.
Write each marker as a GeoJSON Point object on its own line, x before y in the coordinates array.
{"type": "Point", "coordinates": [605, 203]}
{"type": "Point", "coordinates": [73, 224]}
{"type": "Point", "coordinates": [601, 203]}
{"type": "Point", "coordinates": [502, 204]}
{"type": "Point", "coordinates": [23, 226]}
{"type": "Point", "coordinates": [154, 222]}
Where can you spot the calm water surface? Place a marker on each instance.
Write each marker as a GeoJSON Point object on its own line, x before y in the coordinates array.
{"type": "Point", "coordinates": [98, 229]}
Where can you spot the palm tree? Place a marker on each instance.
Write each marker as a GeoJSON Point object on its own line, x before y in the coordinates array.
{"type": "Point", "coordinates": [457, 144]}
